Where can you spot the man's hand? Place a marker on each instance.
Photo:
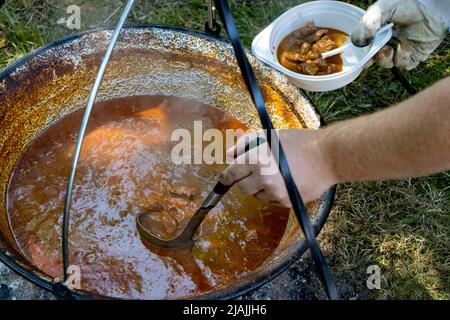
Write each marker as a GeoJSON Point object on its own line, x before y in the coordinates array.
{"type": "Point", "coordinates": [419, 32]}
{"type": "Point", "coordinates": [258, 174]}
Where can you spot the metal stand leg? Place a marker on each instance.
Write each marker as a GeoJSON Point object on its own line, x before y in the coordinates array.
{"type": "Point", "coordinates": [211, 26]}
{"type": "Point", "coordinates": [405, 83]}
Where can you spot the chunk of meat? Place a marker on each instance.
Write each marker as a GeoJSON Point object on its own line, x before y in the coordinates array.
{"type": "Point", "coordinates": [308, 68]}
{"type": "Point", "coordinates": [291, 55]}
{"type": "Point", "coordinates": [320, 33]}
{"type": "Point", "coordinates": [184, 193]}
{"type": "Point", "coordinates": [321, 64]}
{"type": "Point", "coordinates": [306, 53]}
{"type": "Point", "coordinates": [288, 63]}
{"type": "Point", "coordinates": [325, 44]}
{"type": "Point", "coordinates": [326, 67]}
{"type": "Point", "coordinates": [306, 31]}
{"type": "Point", "coordinates": [316, 36]}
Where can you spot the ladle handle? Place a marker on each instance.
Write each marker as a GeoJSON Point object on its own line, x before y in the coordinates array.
{"type": "Point", "coordinates": [220, 188]}
{"type": "Point", "coordinates": [210, 202]}
{"type": "Point", "coordinates": [214, 196]}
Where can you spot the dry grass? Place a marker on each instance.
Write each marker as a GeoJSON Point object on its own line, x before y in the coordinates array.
{"type": "Point", "coordinates": [403, 226]}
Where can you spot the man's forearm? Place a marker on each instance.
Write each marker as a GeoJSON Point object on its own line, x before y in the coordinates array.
{"type": "Point", "coordinates": [408, 140]}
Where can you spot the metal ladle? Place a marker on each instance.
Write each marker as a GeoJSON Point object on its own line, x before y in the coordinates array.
{"type": "Point", "coordinates": [186, 237]}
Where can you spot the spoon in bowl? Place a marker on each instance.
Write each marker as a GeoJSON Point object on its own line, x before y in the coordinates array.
{"type": "Point", "coordinates": [347, 45]}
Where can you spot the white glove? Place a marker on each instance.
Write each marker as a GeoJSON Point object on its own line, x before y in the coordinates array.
{"type": "Point", "coordinates": [418, 30]}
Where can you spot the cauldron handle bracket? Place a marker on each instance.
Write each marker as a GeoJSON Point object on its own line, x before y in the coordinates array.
{"type": "Point", "coordinates": [61, 291]}
{"type": "Point", "coordinates": [211, 26]}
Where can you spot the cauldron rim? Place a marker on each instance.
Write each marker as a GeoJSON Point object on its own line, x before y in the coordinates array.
{"type": "Point", "coordinates": [227, 293]}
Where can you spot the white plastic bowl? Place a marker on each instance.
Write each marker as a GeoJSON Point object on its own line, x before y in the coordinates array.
{"type": "Point", "coordinates": [328, 14]}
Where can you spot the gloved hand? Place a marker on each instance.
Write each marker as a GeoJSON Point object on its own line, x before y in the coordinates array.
{"type": "Point", "coordinates": [419, 32]}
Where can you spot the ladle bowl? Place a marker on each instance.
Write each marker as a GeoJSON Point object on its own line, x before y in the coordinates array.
{"type": "Point", "coordinates": [55, 80]}
{"type": "Point", "coordinates": [146, 229]}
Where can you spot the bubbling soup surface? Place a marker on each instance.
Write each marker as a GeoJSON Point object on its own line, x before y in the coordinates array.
{"type": "Point", "coordinates": [125, 168]}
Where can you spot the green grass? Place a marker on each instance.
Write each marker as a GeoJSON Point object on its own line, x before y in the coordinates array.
{"type": "Point", "coordinates": [403, 226]}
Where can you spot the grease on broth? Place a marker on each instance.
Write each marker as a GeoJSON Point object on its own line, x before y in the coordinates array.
{"type": "Point", "coordinates": [125, 168]}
